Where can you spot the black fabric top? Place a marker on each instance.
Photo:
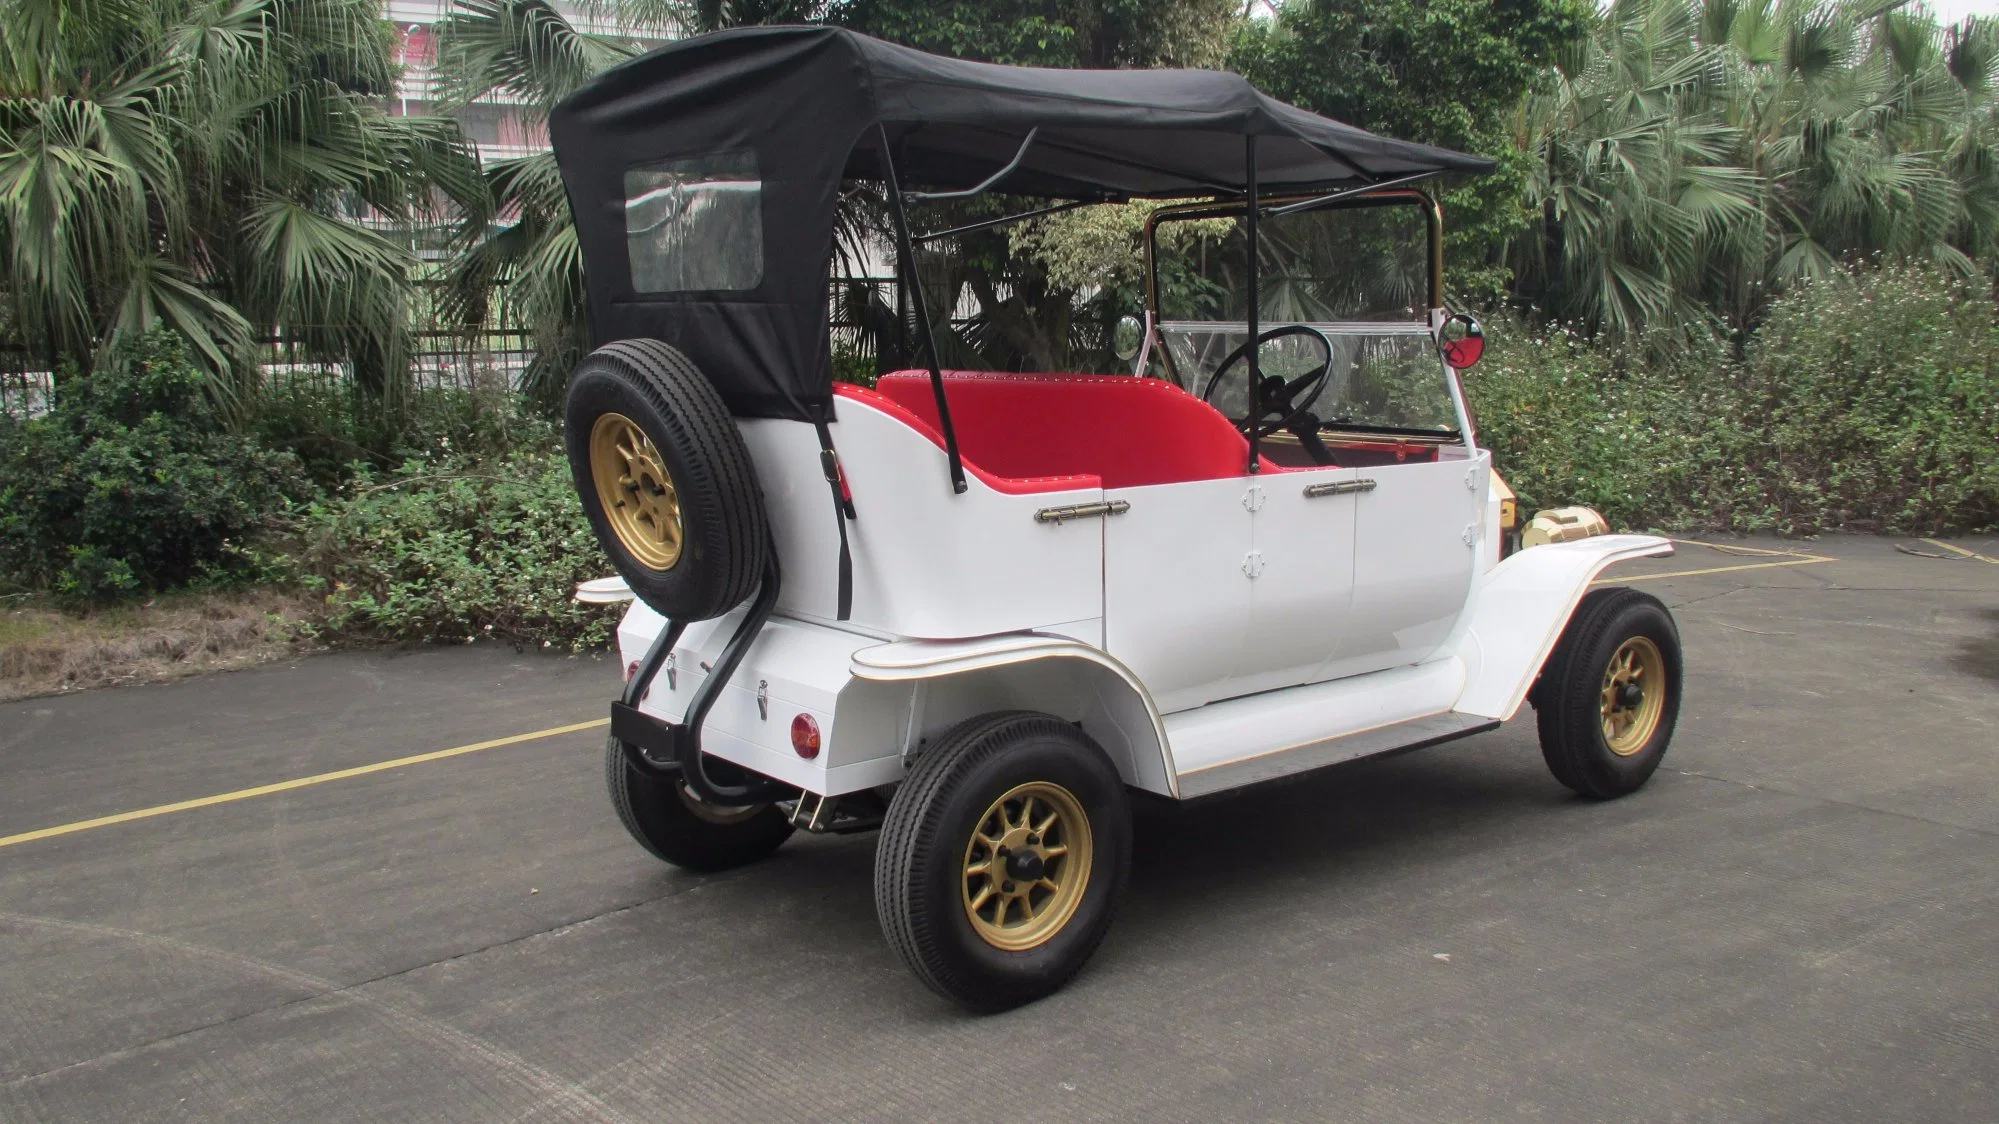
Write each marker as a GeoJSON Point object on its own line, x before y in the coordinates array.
{"type": "Point", "coordinates": [800, 106]}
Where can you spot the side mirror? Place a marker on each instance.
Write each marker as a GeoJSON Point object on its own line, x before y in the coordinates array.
{"type": "Point", "coordinates": [1127, 337]}
{"type": "Point", "coordinates": [1462, 340]}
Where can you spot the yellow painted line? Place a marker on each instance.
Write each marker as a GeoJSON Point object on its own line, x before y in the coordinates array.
{"type": "Point", "coordinates": [287, 786]}
{"type": "Point", "coordinates": [1713, 570]}
{"type": "Point", "coordinates": [1961, 551]}
{"type": "Point", "coordinates": [1791, 558]}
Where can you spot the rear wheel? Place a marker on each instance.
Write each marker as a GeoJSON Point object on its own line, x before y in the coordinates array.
{"type": "Point", "coordinates": [1609, 696]}
{"type": "Point", "coordinates": [680, 827]}
{"type": "Point", "coordinates": [1002, 859]}
{"type": "Point", "coordinates": [665, 479]}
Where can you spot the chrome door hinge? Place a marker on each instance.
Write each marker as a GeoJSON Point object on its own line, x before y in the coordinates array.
{"type": "Point", "coordinates": [1471, 534]}
{"type": "Point", "coordinates": [1081, 511]}
{"type": "Point", "coordinates": [1252, 500]}
{"type": "Point", "coordinates": [763, 699]}
{"type": "Point", "coordinates": [1338, 488]}
{"type": "Point", "coordinates": [672, 671]}
{"type": "Point", "coordinates": [1472, 477]}
{"type": "Point", "coordinates": [1252, 564]}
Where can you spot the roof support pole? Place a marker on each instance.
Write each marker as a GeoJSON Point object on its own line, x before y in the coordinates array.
{"type": "Point", "coordinates": [906, 253]}
{"type": "Point", "coordinates": [1250, 240]}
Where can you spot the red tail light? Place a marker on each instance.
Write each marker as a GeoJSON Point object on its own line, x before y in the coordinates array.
{"type": "Point", "coordinates": [805, 736]}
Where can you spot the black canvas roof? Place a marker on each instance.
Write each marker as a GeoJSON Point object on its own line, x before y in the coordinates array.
{"type": "Point", "coordinates": [807, 102]}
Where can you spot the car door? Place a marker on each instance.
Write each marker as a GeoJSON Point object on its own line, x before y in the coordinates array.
{"type": "Point", "coordinates": [1301, 566]}
{"type": "Point", "coordinates": [1177, 598]}
{"type": "Point", "coordinates": [1416, 538]}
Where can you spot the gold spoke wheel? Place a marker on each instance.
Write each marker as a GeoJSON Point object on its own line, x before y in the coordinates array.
{"type": "Point", "coordinates": [636, 491]}
{"type": "Point", "coordinates": [1634, 695]}
{"type": "Point", "coordinates": [1027, 866]}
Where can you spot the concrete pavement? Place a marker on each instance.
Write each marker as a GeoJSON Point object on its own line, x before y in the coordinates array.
{"type": "Point", "coordinates": [1797, 920]}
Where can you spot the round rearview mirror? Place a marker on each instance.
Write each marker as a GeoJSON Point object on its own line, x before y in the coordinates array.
{"type": "Point", "coordinates": [1126, 337]}
{"type": "Point", "coordinates": [1462, 340]}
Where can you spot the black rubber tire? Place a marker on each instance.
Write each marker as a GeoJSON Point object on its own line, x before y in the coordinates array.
{"type": "Point", "coordinates": [1568, 696]}
{"type": "Point", "coordinates": [725, 538]}
{"type": "Point", "coordinates": [666, 822]}
{"type": "Point", "coordinates": [918, 862]}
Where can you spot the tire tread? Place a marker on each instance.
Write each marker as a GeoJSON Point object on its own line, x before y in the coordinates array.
{"type": "Point", "coordinates": [716, 463]}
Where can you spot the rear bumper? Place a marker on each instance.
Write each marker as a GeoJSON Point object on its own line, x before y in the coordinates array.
{"type": "Point", "coordinates": [792, 667]}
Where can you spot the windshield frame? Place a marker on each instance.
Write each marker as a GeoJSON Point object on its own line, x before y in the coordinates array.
{"type": "Point", "coordinates": [1433, 223]}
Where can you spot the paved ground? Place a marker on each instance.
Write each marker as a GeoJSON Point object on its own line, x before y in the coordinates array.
{"type": "Point", "coordinates": [1797, 920]}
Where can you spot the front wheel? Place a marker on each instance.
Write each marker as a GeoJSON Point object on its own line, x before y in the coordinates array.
{"type": "Point", "coordinates": [1002, 859]}
{"type": "Point", "coordinates": [678, 826]}
{"type": "Point", "coordinates": [1609, 696]}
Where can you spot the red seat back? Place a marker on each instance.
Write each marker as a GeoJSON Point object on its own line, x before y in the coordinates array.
{"type": "Point", "coordinates": [1128, 431]}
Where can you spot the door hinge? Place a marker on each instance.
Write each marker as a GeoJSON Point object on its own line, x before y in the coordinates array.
{"type": "Point", "coordinates": [1252, 564]}
{"type": "Point", "coordinates": [1252, 500]}
{"type": "Point", "coordinates": [1338, 488]}
{"type": "Point", "coordinates": [1471, 534]}
{"type": "Point", "coordinates": [1472, 477]}
{"type": "Point", "coordinates": [672, 671]}
{"type": "Point", "coordinates": [1081, 511]}
{"type": "Point", "coordinates": [763, 699]}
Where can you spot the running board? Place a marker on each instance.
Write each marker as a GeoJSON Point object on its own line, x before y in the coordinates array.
{"type": "Point", "coordinates": [1412, 734]}
{"type": "Point", "coordinates": [1256, 737]}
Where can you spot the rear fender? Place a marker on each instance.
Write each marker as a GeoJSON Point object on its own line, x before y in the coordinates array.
{"type": "Point", "coordinates": [1520, 608]}
{"type": "Point", "coordinates": [939, 683]}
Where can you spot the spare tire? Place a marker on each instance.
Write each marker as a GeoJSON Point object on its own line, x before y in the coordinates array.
{"type": "Point", "coordinates": [666, 479]}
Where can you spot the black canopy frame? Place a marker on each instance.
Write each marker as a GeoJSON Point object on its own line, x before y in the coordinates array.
{"type": "Point", "coordinates": [807, 108]}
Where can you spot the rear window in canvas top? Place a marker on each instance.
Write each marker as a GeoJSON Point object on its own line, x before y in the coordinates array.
{"type": "Point", "coordinates": [695, 224]}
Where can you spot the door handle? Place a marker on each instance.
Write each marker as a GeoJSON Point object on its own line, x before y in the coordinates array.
{"type": "Point", "coordinates": [1338, 488]}
{"type": "Point", "coordinates": [1081, 511]}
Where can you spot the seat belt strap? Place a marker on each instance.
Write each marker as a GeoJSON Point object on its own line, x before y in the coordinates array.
{"type": "Point", "coordinates": [843, 510]}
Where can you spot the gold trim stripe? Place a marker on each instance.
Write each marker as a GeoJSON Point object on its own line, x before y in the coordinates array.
{"type": "Point", "coordinates": [300, 782]}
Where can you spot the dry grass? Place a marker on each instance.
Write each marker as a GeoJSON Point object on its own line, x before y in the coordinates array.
{"type": "Point", "coordinates": [43, 651]}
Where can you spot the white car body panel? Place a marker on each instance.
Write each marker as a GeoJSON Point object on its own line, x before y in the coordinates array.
{"type": "Point", "coordinates": [927, 562]}
{"type": "Point", "coordinates": [1416, 539]}
{"type": "Point", "coordinates": [1301, 598]}
{"type": "Point", "coordinates": [1215, 634]}
{"type": "Point", "coordinates": [1176, 600]}
{"type": "Point", "coordinates": [1519, 609]}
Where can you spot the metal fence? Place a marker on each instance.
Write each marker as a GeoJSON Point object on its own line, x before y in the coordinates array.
{"type": "Point", "coordinates": [26, 394]}
{"type": "Point", "coordinates": [485, 360]}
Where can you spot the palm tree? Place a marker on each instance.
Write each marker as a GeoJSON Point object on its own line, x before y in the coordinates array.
{"type": "Point", "coordinates": [220, 167]}
{"type": "Point", "coordinates": [1695, 156]}
{"type": "Point", "coordinates": [528, 269]}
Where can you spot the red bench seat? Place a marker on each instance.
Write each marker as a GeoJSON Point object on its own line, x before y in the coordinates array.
{"type": "Point", "coordinates": [1127, 431]}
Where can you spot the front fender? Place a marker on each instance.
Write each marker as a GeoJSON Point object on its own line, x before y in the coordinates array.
{"type": "Point", "coordinates": [1519, 609]}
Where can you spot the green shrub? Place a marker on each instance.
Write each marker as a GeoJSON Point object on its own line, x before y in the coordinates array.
{"type": "Point", "coordinates": [331, 427]}
{"type": "Point", "coordinates": [458, 549]}
{"type": "Point", "coordinates": [132, 484]}
{"type": "Point", "coordinates": [1649, 445]}
{"type": "Point", "coordinates": [1868, 401]}
{"type": "Point", "coordinates": [1874, 396]}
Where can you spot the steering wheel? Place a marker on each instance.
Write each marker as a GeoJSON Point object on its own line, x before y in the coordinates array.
{"type": "Point", "coordinates": [1290, 403]}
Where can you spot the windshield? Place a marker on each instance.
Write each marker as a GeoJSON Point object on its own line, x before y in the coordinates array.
{"type": "Point", "coordinates": [1359, 274]}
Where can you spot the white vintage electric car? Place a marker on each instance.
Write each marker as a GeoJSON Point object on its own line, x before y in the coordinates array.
{"type": "Point", "coordinates": [977, 610]}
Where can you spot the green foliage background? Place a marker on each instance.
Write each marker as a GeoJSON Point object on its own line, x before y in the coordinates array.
{"type": "Point", "coordinates": [457, 549]}
{"type": "Point", "coordinates": [1738, 254]}
{"type": "Point", "coordinates": [131, 485]}
{"type": "Point", "coordinates": [1868, 401]}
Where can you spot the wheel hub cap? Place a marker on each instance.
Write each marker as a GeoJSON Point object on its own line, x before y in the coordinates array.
{"type": "Point", "coordinates": [1634, 695]}
{"type": "Point", "coordinates": [635, 491]}
{"type": "Point", "coordinates": [1026, 866]}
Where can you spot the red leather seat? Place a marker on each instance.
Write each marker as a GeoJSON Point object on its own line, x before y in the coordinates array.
{"type": "Point", "coordinates": [1128, 431]}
